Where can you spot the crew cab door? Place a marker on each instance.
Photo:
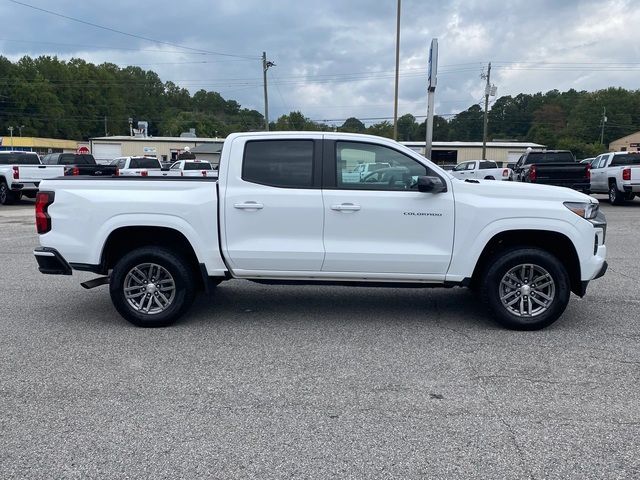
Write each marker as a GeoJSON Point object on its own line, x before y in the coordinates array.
{"type": "Point", "coordinates": [271, 205]}
{"type": "Point", "coordinates": [599, 181]}
{"type": "Point", "coordinates": [382, 224]}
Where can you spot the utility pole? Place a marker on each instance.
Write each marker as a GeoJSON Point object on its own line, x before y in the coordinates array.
{"type": "Point", "coordinates": [487, 91]}
{"type": "Point", "coordinates": [604, 120]}
{"type": "Point", "coordinates": [105, 126]}
{"type": "Point", "coordinates": [395, 97]}
{"type": "Point", "coordinates": [431, 91]}
{"type": "Point", "coordinates": [11, 132]}
{"type": "Point", "coordinates": [265, 66]}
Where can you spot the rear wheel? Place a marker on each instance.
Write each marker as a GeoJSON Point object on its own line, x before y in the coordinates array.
{"type": "Point", "coordinates": [616, 197]}
{"type": "Point", "coordinates": [6, 196]}
{"type": "Point", "coordinates": [152, 287]}
{"type": "Point", "coordinates": [526, 288]}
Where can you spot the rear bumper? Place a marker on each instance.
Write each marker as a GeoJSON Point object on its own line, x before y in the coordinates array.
{"type": "Point", "coordinates": [632, 188]}
{"type": "Point", "coordinates": [50, 262]}
{"type": "Point", "coordinates": [24, 186]}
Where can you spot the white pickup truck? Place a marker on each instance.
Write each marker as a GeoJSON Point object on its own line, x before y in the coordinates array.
{"type": "Point", "coordinates": [618, 174]}
{"type": "Point", "coordinates": [21, 174]}
{"type": "Point", "coordinates": [139, 167]}
{"type": "Point", "coordinates": [192, 168]}
{"type": "Point", "coordinates": [286, 208]}
{"type": "Point", "coordinates": [481, 169]}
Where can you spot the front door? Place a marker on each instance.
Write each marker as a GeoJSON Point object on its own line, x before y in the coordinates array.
{"type": "Point", "coordinates": [380, 223]}
{"type": "Point", "coordinates": [598, 175]}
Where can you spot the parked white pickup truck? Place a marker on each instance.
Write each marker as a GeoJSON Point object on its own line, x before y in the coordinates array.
{"type": "Point", "coordinates": [286, 209]}
{"type": "Point", "coordinates": [21, 173]}
{"type": "Point", "coordinates": [481, 169]}
{"type": "Point", "coordinates": [192, 168]}
{"type": "Point", "coordinates": [139, 167]}
{"type": "Point", "coordinates": [617, 174]}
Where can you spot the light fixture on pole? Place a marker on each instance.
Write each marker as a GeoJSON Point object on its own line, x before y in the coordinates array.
{"type": "Point", "coordinates": [431, 90]}
{"type": "Point", "coordinates": [20, 129]}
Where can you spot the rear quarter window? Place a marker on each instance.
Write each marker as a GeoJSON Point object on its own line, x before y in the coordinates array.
{"type": "Point", "coordinates": [628, 159]}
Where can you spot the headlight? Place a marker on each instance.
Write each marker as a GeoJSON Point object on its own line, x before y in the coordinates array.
{"type": "Point", "coordinates": [584, 210]}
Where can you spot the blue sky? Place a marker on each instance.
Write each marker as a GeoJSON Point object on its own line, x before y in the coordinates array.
{"type": "Point", "coordinates": [335, 59]}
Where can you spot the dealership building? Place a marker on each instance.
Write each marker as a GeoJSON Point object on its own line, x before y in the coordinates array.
{"type": "Point", "coordinates": [629, 143]}
{"type": "Point", "coordinates": [40, 145]}
{"type": "Point", "coordinates": [165, 149]}
{"type": "Point", "coordinates": [455, 152]}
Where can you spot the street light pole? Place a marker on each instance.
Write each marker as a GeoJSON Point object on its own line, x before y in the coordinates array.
{"type": "Point", "coordinates": [11, 132]}
{"type": "Point", "coordinates": [395, 97]}
{"type": "Point", "coordinates": [265, 66]}
{"type": "Point", "coordinates": [20, 129]}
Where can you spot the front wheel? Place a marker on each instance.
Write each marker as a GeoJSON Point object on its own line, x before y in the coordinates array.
{"type": "Point", "coordinates": [526, 288]}
{"type": "Point", "coordinates": [152, 287]}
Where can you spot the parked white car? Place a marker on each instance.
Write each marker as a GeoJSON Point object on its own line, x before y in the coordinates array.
{"type": "Point", "coordinates": [618, 174]}
{"type": "Point", "coordinates": [139, 167]}
{"type": "Point", "coordinates": [21, 173]}
{"type": "Point", "coordinates": [481, 170]}
{"type": "Point", "coordinates": [192, 168]}
{"type": "Point", "coordinates": [285, 210]}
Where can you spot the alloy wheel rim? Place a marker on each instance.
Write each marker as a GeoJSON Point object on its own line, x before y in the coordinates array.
{"type": "Point", "coordinates": [149, 288]}
{"type": "Point", "coordinates": [527, 290]}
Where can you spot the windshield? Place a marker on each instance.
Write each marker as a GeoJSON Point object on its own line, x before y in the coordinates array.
{"type": "Point", "coordinates": [144, 162]}
{"type": "Point", "coordinates": [197, 166]}
{"type": "Point", "coordinates": [26, 158]}
{"type": "Point", "coordinates": [549, 157]}
{"type": "Point", "coordinates": [628, 159]}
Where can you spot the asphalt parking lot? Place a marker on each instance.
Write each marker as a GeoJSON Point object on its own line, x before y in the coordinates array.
{"type": "Point", "coordinates": [316, 382]}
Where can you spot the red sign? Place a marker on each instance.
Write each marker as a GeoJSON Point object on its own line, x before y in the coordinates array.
{"type": "Point", "coordinates": [83, 150]}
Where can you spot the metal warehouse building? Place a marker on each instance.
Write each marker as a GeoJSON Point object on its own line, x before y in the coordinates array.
{"type": "Point", "coordinates": [164, 148]}
{"type": "Point", "coordinates": [456, 152]}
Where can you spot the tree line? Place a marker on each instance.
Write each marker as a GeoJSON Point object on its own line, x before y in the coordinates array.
{"type": "Point", "coordinates": [76, 99]}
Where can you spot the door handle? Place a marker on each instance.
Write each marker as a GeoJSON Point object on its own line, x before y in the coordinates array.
{"type": "Point", "coordinates": [345, 207]}
{"type": "Point", "coordinates": [248, 206]}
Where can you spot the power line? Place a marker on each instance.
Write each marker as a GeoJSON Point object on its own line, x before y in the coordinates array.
{"type": "Point", "coordinates": [95, 25]}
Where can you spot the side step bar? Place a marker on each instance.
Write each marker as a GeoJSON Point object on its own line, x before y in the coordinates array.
{"type": "Point", "coordinates": [96, 282]}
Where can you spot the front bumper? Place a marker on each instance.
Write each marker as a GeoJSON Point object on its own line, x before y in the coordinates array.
{"type": "Point", "coordinates": [50, 262]}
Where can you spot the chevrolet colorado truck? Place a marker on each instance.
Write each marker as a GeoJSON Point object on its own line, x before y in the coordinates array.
{"type": "Point", "coordinates": [286, 208]}
{"type": "Point", "coordinates": [617, 174]}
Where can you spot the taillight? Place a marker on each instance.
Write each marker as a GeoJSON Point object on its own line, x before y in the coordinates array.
{"type": "Point", "coordinates": [117, 174]}
{"type": "Point", "coordinates": [204, 173]}
{"type": "Point", "coordinates": [588, 171]}
{"type": "Point", "coordinates": [73, 171]}
{"type": "Point", "coordinates": [43, 220]}
{"type": "Point", "coordinates": [626, 174]}
{"type": "Point", "coordinates": [144, 173]}
{"type": "Point", "coordinates": [505, 172]}
{"type": "Point", "coordinates": [16, 173]}
{"type": "Point", "coordinates": [533, 175]}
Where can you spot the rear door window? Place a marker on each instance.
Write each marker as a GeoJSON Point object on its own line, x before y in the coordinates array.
{"type": "Point", "coordinates": [627, 159]}
{"type": "Point", "coordinates": [279, 163]}
{"type": "Point", "coordinates": [142, 162]}
{"type": "Point", "coordinates": [197, 166]}
{"type": "Point", "coordinates": [26, 158]}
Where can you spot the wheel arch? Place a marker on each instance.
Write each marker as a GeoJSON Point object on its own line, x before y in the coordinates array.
{"type": "Point", "coordinates": [125, 239]}
{"type": "Point", "coordinates": [555, 243]}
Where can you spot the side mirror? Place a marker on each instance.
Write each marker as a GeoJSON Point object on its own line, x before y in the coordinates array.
{"type": "Point", "coordinates": [431, 185]}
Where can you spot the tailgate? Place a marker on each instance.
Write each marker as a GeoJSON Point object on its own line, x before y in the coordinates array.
{"type": "Point", "coordinates": [635, 175]}
{"type": "Point", "coordinates": [561, 172]}
{"type": "Point", "coordinates": [35, 173]}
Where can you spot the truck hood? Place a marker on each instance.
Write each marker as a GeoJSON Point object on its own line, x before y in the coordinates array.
{"type": "Point", "coordinates": [520, 191]}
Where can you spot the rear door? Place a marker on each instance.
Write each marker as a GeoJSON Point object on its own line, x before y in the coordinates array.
{"type": "Point", "coordinates": [383, 225]}
{"type": "Point", "coordinates": [272, 211]}
{"type": "Point", "coordinates": [599, 174]}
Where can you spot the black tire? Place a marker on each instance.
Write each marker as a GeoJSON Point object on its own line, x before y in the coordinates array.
{"type": "Point", "coordinates": [184, 287]}
{"type": "Point", "coordinates": [505, 262]}
{"type": "Point", "coordinates": [616, 197]}
{"type": "Point", "coordinates": [6, 196]}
